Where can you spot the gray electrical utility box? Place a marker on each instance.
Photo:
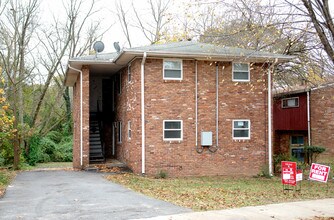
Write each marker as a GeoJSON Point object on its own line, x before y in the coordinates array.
{"type": "Point", "coordinates": [206, 138]}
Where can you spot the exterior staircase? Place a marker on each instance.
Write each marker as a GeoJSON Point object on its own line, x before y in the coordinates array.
{"type": "Point", "coordinates": [96, 149]}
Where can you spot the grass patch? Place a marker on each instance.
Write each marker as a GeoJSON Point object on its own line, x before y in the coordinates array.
{"type": "Point", "coordinates": [54, 165]}
{"type": "Point", "coordinates": [6, 177]}
{"type": "Point", "coordinates": [213, 193]}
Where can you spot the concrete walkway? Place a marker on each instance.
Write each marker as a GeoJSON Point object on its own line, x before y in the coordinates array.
{"type": "Point", "coordinates": [76, 195]}
{"type": "Point", "coordinates": [282, 211]}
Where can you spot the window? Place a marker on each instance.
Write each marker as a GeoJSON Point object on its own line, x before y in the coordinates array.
{"type": "Point", "coordinates": [129, 73]}
{"type": "Point", "coordinates": [290, 102]}
{"type": "Point", "coordinates": [298, 153]}
{"type": "Point", "coordinates": [297, 140]}
{"type": "Point", "coordinates": [172, 130]}
{"type": "Point", "coordinates": [241, 129]}
{"type": "Point", "coordinates": [119, 132]}
{"type": "Point", "coordinates": [240, 72]}
{"type": "Point", "coordinates": [129, 130]}
{"type": "Point", "coordinates": [172, 70]}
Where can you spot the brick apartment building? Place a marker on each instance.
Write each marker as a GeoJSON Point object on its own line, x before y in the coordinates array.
{"type": "Point", "coordinates": [185, 108]}
{"type": "Point", "coordinates": [304, 117]}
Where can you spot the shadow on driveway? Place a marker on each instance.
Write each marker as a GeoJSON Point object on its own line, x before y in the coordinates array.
{"type": "Point", "coordinates": [77, 195]}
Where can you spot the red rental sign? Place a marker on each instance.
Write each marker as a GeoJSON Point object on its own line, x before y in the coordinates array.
{"type": "Point", "coordinates": [319, 172]}
{"type": "Point", "coordinates": [289, 173]}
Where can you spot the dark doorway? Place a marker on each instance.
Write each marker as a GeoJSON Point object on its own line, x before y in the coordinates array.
{"type": "Point", "coordinates": [108, 116]}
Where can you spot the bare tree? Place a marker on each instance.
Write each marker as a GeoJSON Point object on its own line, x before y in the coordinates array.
{"type": "Point", "coordinates": [17, 30]}
{"type": "Point", "coordinates": [322, 20]}
{"type": "Point", "coordinates": [122, 15]}
{"type": "Point", "coordinates": [152, 28]}
{"type": "Point", "coordinates": [72, 38]}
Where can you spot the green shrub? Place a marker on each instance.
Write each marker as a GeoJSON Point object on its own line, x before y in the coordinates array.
{"type": "Point", "coordinates": [162, 174]}
{"type": "Point", "coordinates": [6, 152]}
{"type": "Point", "coordinates": [4, 179]}
{"type": "Point", "coordinates": [312, 152]}
{"type": "Point", "coordinates": [63, 152]}
{"type": "Point", "coordinates": [34, 151]}
{"type": "Point", "coordinates": [53, 147]}
{"type": "Point", "coordinates": [265, 172]}
{"type": "Point", "coordinates": [277, 159]}
{"type": "Point", "coordinates": [55, 136]}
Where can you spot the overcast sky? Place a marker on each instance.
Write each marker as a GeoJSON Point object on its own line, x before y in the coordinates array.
{"type": "Point", "coordinates": [108, 18]}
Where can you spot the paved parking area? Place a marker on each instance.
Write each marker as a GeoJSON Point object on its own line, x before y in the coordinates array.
{"type": "Point", "coordinates": [77, 195]}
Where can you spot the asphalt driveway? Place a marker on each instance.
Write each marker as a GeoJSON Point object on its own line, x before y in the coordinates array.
{"type": "Point", "coordinates": [76, 195]}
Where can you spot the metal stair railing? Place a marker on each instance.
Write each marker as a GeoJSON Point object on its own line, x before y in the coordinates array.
{"type": "Point", "coordinates": [99, 116]}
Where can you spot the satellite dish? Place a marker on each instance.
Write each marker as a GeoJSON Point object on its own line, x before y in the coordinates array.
{"type": "Point", "coordinates": [117, 47]}
{"type": "Point", "coordinates": [98, 46]}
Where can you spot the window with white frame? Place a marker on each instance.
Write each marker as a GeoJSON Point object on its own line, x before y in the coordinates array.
{"type": "Point", "coordinates": [129, 130]}
{"type": "Point", "coordinates": [119, 132]}
{"type": "Point", "coordinates": [290, 102]}
{"type": "Point", "coordinates": [172, 69]}
{"type": "Point", "coordinates": [129, 73]}
{"type": "Point", "coordinates": [240, 72]}
{"type": "Point", "coordinates": [241, 129]}
{"type": "Point", "coordinates": [172, 130]}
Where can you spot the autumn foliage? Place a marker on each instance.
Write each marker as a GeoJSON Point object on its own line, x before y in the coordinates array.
{"type": "Point", "coordinates": [6, 118]}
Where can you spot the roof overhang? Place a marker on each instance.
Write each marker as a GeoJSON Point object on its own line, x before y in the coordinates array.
{"type": "Point", "coordinates": [97, 67]}
{"type": "Point", "coordinates": [290, 93]}
{"type": "Point", "coordinates": [109, 66]}
{"type": "Point", "coordinates": [128, 55]}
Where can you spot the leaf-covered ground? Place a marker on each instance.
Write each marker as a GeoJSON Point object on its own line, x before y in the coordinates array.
{"type": "Point", "coordinates": [213, 193]}
{"type": "Point", "coordinates": [5, 178]}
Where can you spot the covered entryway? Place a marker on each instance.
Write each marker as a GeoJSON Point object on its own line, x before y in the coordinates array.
{"type": "Point", "coordinates": [96, 86]}
{"type": "Point", "coordinates": [102, 124]}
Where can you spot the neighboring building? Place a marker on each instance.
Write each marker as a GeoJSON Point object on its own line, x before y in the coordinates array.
{"type": "Point", "coordinates": [304, 117]}
{"type": "Point", "coordinates": [155, 107]}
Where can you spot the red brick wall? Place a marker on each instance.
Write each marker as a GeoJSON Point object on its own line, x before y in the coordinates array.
{"type": "Point", "coordinates": [76, 120]}
{"type": "Point", "coordinates": [176, 100]}
{"type": "Point", "coordinates": [128, 109]}
{"type": "Point", "coordinates": [322, 119]}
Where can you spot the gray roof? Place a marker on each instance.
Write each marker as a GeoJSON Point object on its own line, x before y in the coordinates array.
{"type": "Point", "coordinates": [301, 89]}
{"type": "Point", "coordinates": [186, 48]}
{"type": "Point", "coordinates": [98, 57]}
{"type": "Point", "coordinates": [189, 47]}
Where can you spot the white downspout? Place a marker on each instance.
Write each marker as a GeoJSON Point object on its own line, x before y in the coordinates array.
{"type": "Point", "coordinates": [81, 117]}
{"type": "Point", "coordinates": [269, 125]}
{"type": "Point", "coordinates": [308, 119]}
{"type": "Point", "coordinates": [196, 105]}
{"type": "Point", "coordinates": [217, 104]}
{"type": "Point", "coordinates": [142, 89]}
{"type": "Point", "coordinates": [270, 156]}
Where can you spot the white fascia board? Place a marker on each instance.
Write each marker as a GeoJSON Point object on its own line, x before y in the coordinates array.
{"type": "Point", "coordinates": [206, 56]}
